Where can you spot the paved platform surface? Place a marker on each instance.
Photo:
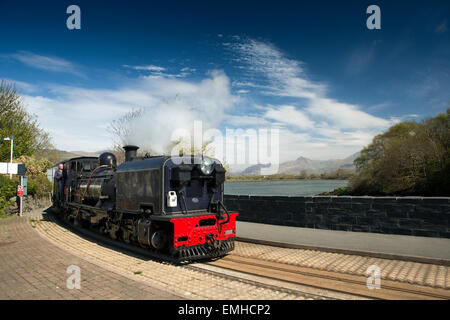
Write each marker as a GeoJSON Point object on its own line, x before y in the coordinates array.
{"type": "Point", "coordinates": [426, 247]}
{"type": "Point", "coordinates": [33, 268]}
{"type": "Point", "coordinates": [184, 281]}
{"type": "Point", "coordinates": [36, 251]}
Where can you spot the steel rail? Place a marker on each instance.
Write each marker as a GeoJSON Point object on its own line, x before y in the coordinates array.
{"type": "Point", "coordinates": [333, 281]}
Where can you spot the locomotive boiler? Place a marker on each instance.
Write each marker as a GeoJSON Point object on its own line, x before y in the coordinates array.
{"type": "Point", "coordinates": [169, 205]}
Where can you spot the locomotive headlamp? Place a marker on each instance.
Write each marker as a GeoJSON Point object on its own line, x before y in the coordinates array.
{"type": "Point", "coordinates": [206, 166]}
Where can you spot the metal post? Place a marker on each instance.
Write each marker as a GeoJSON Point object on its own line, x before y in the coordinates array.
{"type": "Point", "coordinates": [20, 198]}
{"type": "Point", "coordinates": [12, 142]}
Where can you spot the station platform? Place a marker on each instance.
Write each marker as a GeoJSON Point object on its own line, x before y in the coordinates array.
{"type": "Point", "coordinates": [409, 248]}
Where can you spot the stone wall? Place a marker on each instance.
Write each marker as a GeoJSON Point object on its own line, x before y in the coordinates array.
{"type": "Point", "coordinates": [29, 203]}
{"type": "Point", "coordinates": [416, 216]}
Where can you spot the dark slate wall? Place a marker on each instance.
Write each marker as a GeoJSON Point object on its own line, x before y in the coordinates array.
{"type": "Point", "coordinates": [392, 215]}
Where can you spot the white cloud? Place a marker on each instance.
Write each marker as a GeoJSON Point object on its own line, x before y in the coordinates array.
{"type": "Point", "coordinates": [246, 120]}
{"type": "Point", "coordinates": [343, 115]}
{"type": "Point", "coordinates": [77, 117]}
{"type": "Point", "coordinates": [158, 72]}
{"type": "Point", "coordinates": [187, 69]}
{"type": "Point", "coordinates": [149, 67]}
{"type": "Point", "coordinates": [332, 128]}
{"type": "Point", "coordinates": [22, 86]}
{"type": "Point", "coordinates": [47, 63]}
{"type": "Point", "coordinates": [289, 115]}
{"type": "Point", "coordinates": [286, 77]}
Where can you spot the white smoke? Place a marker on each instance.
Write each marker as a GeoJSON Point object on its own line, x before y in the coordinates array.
{"type": "Point", "coordinates": [205, 101]}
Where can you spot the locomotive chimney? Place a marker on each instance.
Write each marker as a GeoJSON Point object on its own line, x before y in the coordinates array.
{"type": "Point", "coordinates": [130, 152]}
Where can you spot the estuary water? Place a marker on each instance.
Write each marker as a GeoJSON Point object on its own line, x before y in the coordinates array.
{"type": "Point", "coordinates": [283, 187]}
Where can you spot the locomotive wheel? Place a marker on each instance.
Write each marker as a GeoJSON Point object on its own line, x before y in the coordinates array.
{"type": "Point", "coordinates": [112, 229]}
{"type": "Point", "coordinates": [158, 239]}
{"type": "Point", "coordinates": [113, 233]}
{"type": "Point", "coordinates": [125, 235]}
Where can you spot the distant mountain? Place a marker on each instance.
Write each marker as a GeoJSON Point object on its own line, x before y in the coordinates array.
{"type": "Point", "coordinates": [73, 154]}
{"type": "Point", "coordinates": [60, 155]}
{"type": "Point", "coordinates": [252, 170]}
{"type": "Point", "coordinates": [307, 165]}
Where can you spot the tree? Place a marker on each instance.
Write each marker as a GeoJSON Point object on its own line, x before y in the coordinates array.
{"type": "Point", "coordinates": [29, 138]}
{"type": "Point", "coordinates": [38, 183]}
{"type": "Point", "coordinates": [121, 130]}
{"type": "Point", "coordinates": [411, 158]}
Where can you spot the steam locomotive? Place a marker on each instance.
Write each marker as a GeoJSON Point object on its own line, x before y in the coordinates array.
{"type": "Point", "coordinates": [170, 205]}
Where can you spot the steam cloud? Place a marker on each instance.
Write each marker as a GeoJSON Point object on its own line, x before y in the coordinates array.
{"type": "Point", "coordinates": [206, 101]}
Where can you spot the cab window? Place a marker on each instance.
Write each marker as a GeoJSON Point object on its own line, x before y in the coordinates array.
{"type": "Point", "coordinates": [73, 166]}
{"type": "Point", "coordinates": [87, 166]}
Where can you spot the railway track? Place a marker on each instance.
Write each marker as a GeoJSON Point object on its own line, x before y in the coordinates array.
{"type": "Point", "coordinates": [284, 276]}
{"type": "Point", "coordinates": [345, 283]}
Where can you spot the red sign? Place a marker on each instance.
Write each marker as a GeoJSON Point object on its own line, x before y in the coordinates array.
{"type": "Point", "coordinates": [19, 191]}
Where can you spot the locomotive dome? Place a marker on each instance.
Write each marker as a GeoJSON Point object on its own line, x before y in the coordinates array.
{"type": "Point", "coordinates": [107, 159]}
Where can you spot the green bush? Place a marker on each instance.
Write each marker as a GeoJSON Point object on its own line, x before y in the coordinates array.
{"type": "Point", "coordinates": [39, 186]}
{"type": "Point", "coordinates": [8, 189]}
{"type": "Point", "coordinates": [342, 191]}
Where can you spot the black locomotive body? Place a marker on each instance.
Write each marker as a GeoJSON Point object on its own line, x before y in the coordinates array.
{"type": "Point", "coordinates": [170, 205]}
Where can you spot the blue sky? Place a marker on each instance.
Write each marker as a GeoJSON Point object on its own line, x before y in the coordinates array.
{"type": "Point", "coordinates": [311, 69]}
